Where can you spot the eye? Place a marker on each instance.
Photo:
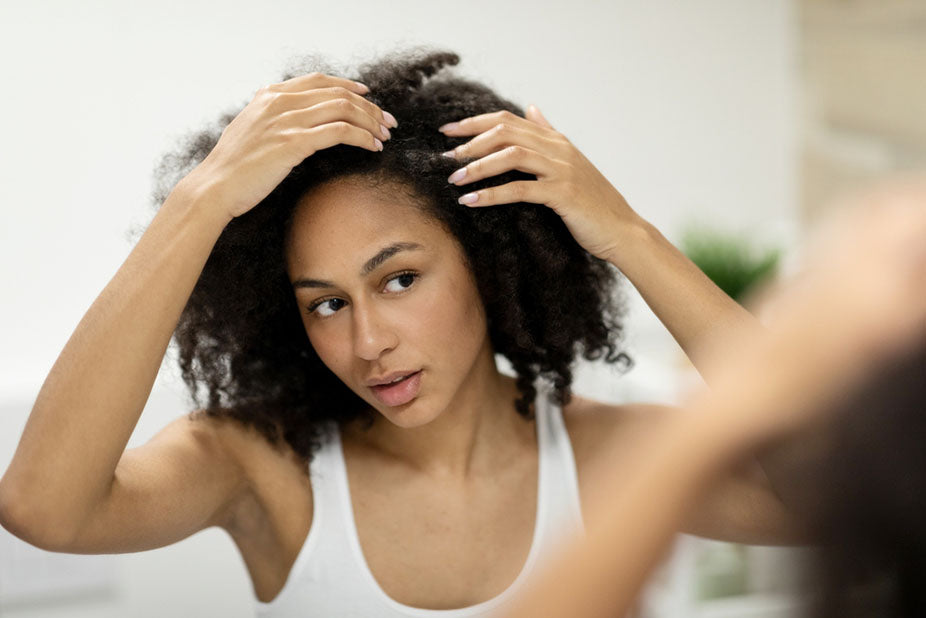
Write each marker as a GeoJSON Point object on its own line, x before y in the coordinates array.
{"type": "Point", "coordinates": [327, 307]}
{"type": "Point", "coordinates": [400, 281]}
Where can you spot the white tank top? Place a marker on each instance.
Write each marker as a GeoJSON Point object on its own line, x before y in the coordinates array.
{"type": "Point", "coordinates": [330, 577]}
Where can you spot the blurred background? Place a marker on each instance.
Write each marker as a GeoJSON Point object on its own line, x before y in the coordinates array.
{"type": "Point", "coordinates": [730, 124]}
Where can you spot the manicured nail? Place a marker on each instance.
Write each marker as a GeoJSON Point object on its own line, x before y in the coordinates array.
{"type": "Point", "coordinates": [469, 198]}
{"type": "Point", "coordinates": [457, 176]}
{"type": "Point", "coordinates": [385, 132]}
{"type": "Point", "coordinates": [390, 119]}
{"type": "Point", "coordinates": [450, 126]}
{"type": "Point", "coordinates": [379, 144]}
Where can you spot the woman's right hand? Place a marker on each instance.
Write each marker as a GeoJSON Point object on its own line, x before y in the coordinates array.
{"type": "Point", "coordinates": [282, 125]}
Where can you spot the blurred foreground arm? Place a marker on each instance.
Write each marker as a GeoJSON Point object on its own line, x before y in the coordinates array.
{"type": "Point", "coordinates": [829, 332]}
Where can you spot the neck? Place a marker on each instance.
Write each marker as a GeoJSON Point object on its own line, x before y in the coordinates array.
{"type": "Point", "coordinates": [466, 438]}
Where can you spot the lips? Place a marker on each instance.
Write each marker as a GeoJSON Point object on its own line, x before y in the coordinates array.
{"type": "Point", "coordinates": [389, 378]}
{"type": "Point", "coordinates": [397, 388]}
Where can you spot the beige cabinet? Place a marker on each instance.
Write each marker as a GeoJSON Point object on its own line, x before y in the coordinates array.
{"type": "Point", "coordinates": [863, 94]}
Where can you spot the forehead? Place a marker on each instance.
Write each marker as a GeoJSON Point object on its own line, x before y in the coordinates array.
{"type": "Point", "coordinates": [345, 222]}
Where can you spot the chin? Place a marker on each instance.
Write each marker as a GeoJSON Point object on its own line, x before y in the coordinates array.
{"type": "Point", "coordinates": [415, 413]}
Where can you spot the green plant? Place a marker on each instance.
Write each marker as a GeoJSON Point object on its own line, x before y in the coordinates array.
{"type": "Point", "coordinates": [728, 260]}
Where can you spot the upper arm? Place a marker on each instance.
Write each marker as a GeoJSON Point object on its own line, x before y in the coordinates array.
{"type": "Point", "coordinates": [739, 506]}
{"type": "Point", "coordinates": [181, 481]}
{"type": "Point", "coordinates": [742, 507]}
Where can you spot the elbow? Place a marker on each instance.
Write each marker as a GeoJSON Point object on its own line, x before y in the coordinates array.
{"type": "Point", "coordinates": [40, 527]}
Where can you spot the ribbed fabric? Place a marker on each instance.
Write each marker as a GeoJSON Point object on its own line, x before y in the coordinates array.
{"type": "Point", "coordinates": [330, 577]}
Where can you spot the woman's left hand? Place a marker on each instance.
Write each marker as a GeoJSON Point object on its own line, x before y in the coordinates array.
{"type": "Point", "coordinates": [593, 210]}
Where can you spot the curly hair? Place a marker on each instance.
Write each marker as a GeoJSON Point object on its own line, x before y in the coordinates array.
{"type": "Point", "coordinates": [241, 338]}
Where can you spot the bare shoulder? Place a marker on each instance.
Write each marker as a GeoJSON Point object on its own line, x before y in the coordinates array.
{"type": "Point", "coordinates": [270, 518]}
{"type": "Point", "coordinates": [740, 507]}
{"type": "Point", "coordinates": [238, 440]}
{"type": "Point", "coordinates": [595, 425]}
{"type": "Point", "coordinates": [241, 442]}
{"type": "Point", "coordinates": [268, 470]}
{"type": "Point", "coordinates": [600, 431]}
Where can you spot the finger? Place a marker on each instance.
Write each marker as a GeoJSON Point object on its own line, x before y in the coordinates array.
{"type": "Point", "coordinates": [297, 100]}
{"type": "Point", "coordinates": [511, 158]}
{"type": "Point", "coordinates": [314, 80]}
{"type": "Point", "coordinates": [483, 122]}
{"type": "Point", "coordinates": [332, 111]}
{"type": "Point", "coordinates": [533, 114]}
{"type": "Point", "coordinates": [510, 193]}
{"type": "Point", "coordinates": [503, 135]}
{"type": "Point", "coordinates": [333, 133]}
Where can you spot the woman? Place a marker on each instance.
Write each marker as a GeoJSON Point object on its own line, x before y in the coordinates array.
{"type": "Point", "coordinates": [340, 292]}
{"type": "Point", "coordinates": [838, 382]}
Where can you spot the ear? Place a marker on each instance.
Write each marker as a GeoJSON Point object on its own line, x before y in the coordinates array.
{"type": "Point", "coordinates": [533, 114]}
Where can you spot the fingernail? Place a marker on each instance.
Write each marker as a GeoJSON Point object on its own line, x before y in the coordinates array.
{"type": "Point", "coordinates": [379, 144]}
{"type": "Point", "coordinates": [385, 131]}
{"type": "Point", "coordinates": [450, 154]}
{"type": "Point", "coordinates": [450, 126]}
{"type": "Point", "coordinates": [364, 86]}
{"type": "Point", "coordinates": [457, 176]}
{"type": "Point", "coordinates": [390, 119]}
{"type": "Point", "coordinates": [469, 198]}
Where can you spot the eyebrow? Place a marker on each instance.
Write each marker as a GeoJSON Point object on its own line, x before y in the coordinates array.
{"type": "Point", "coordinates": [369, 266]}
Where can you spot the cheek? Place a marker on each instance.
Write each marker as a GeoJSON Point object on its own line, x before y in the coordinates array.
{"type": "Point", "coordinates": [456, 318]}
{"type": "Point", "coordinates": [471, 316]}
{"type": "Point", "coordinates": [330, 348]}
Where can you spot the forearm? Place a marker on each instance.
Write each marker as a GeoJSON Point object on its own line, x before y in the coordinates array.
{"type": "Point", "coordinates": [93, 396]}
{"type": "Point", "coordinates": [701, 318]}
{"type": "Point", "coordinates": [698, 314]}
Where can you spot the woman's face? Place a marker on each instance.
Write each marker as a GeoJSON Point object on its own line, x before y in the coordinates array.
{"type": "Point", "coordinates": [386, 297]}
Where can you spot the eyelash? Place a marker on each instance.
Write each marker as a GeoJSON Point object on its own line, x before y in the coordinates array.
{"type": "Point", "coordinates": [312, 308]}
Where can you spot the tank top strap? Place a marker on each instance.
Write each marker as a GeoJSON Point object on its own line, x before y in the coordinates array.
{"type": "Point", "coordinates": [324, 475]}
{"type": "Point", "coordinates": [324, 563]}
{"type": "Point", "coordinates": [331, 495]}
{"type": "Point", "coordinates": [559, 479]}
{"type": "Point", "coordinates": [330, 576]}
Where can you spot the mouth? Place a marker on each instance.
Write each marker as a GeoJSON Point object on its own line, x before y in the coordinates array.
{"type": "Point", "coordinates": [396, 389]}
{"type": "Point", "coordinates": [390, 378]}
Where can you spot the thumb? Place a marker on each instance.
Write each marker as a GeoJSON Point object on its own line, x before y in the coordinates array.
{"type": "Point", "coordinates": [534, 115]}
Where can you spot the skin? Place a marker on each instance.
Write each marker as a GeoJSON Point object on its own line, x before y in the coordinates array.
{"type": "Point", "coordinates": [454, 472]}
{"type": "Point", "coordinates": [692, 308]}
{"type": "Point", "coordinates": [449, 444]}
{"type": "Point", "coordinates": [60, 495]}
{"type": "Point", "coordinates": [786, 386]}
{"type": "Point", "coordinates": [406, 314]}
{"type": "Point", "coordinates": [429, 460]}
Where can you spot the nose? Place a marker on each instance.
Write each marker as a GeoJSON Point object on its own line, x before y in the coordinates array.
{"type": "Point", "coordinates": [372, 334]}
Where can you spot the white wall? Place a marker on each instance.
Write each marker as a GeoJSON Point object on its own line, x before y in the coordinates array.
{"type": "Point", "coordinates": [686, 106]}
